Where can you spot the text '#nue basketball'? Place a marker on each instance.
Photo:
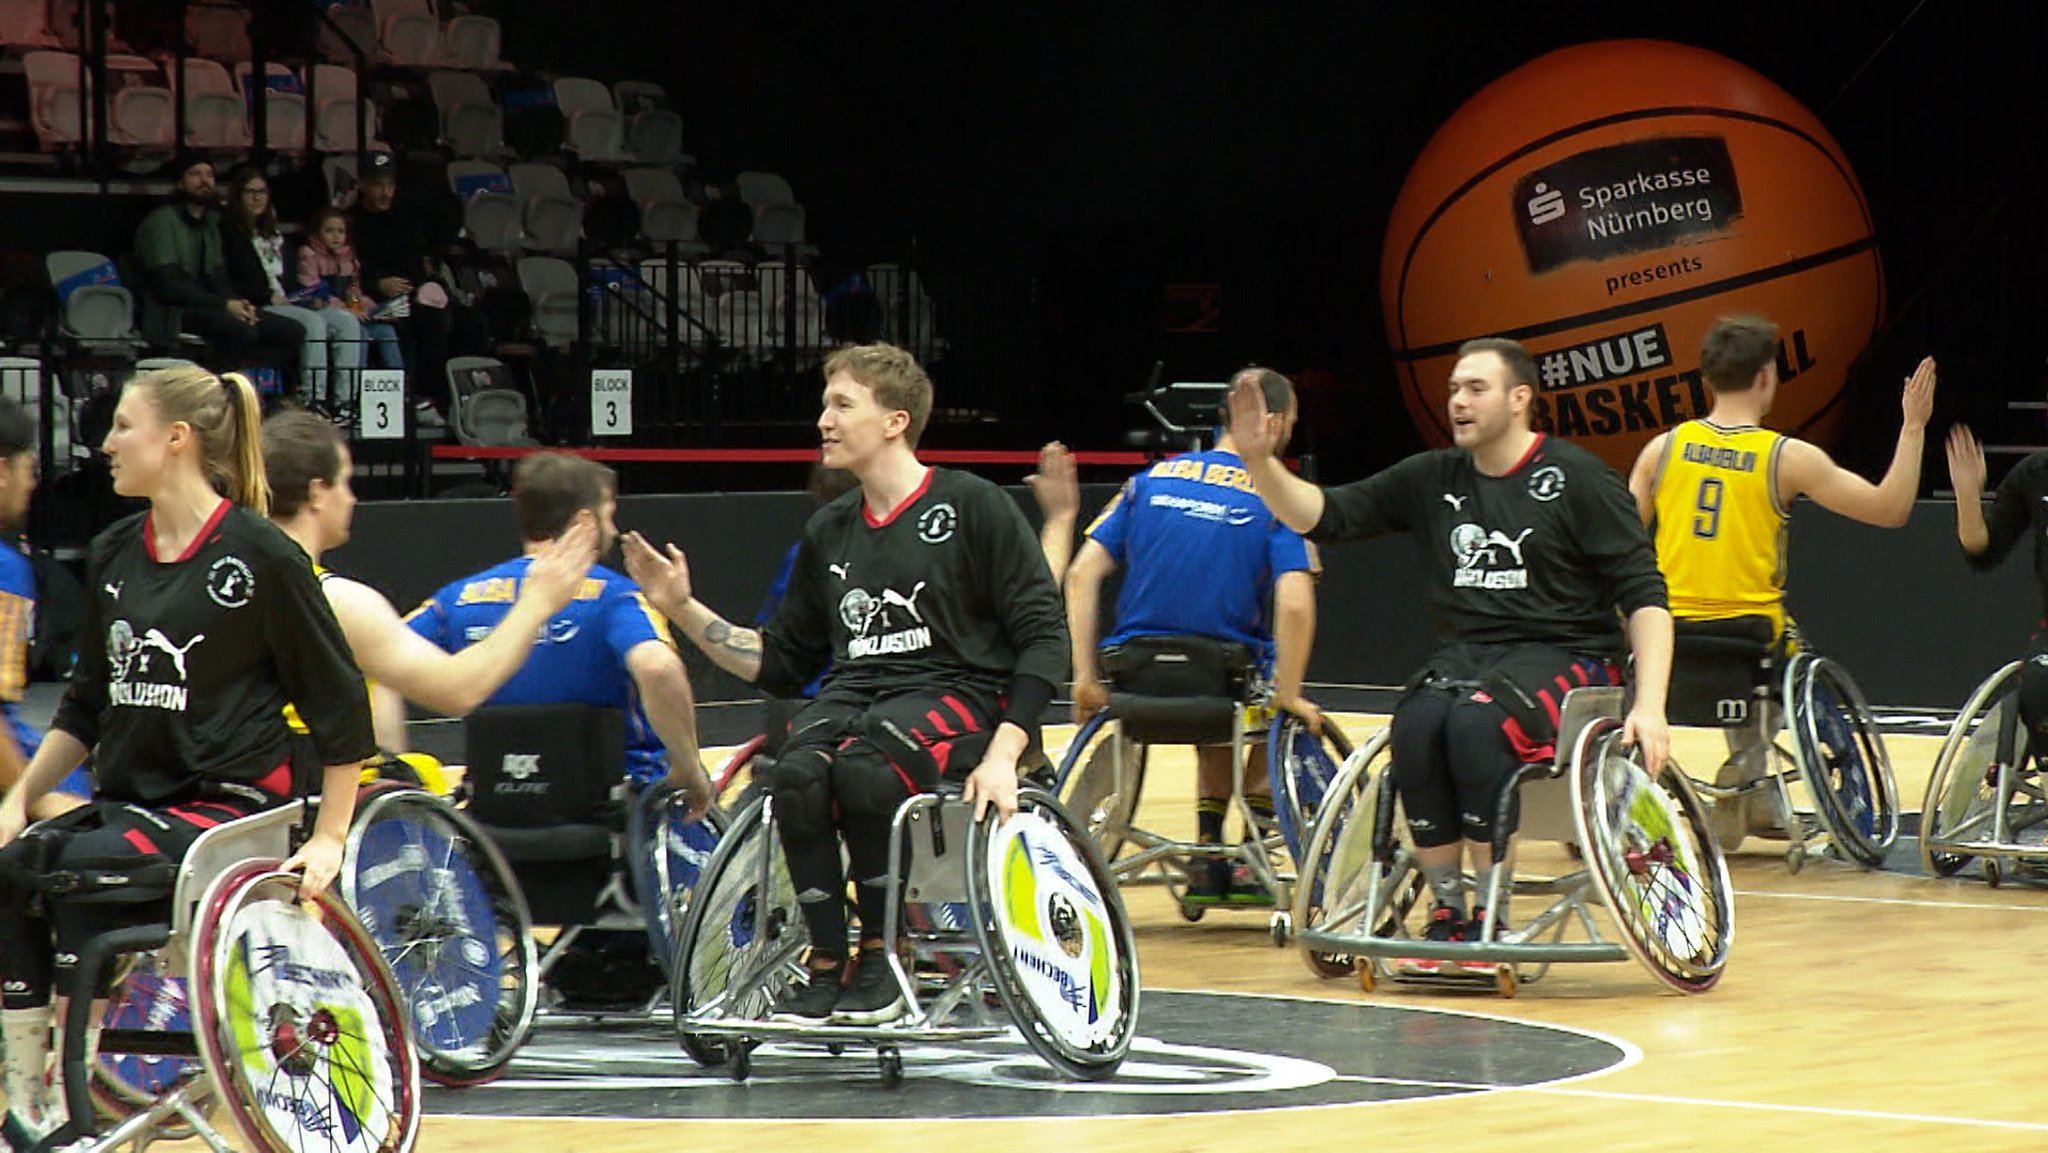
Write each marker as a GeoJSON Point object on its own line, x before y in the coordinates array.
{"type": "Point", "coordinates": [1641, 404]}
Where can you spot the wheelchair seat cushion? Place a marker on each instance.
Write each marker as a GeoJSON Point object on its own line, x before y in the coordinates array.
{"type": "Point", "coordinates": [522, 845]}
{"type": "Point", "coordinates": [1204, 720]}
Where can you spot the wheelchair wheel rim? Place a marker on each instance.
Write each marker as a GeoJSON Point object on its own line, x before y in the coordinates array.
{"type": "Point", "coordinates": [1660, 870]}
{"type": "Point", "coordinates": [306, 1033]}
{"type": "Point", "coordinates": [1057, 939]}
{"type": "Point", "coordinates": [431, 890]}
{"type": "Point", "coordinates": [741, 936]}
{"type": "Point", "coordinates": [1301, 774]}
{"type": "Point", "coordinates": [1104, 802]}
{"type": "Point", "coordinates": [143, 998]}
{"type": "Point", "coordinates": [1960, 800]}
{"type": "Point", "coordinates": [1844, 761]}
{"type": "Point", "coordinates": [675, 853]}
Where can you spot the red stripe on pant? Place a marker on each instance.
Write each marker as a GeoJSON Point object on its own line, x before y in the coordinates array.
{"type": "Point", "coordinates": [141, 841]}
{"type": "Point", "coordinates": [960, 710]}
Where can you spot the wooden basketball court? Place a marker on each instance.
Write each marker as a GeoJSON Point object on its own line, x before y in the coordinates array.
{"type": "Point", "coordinates": [1861, 1010]}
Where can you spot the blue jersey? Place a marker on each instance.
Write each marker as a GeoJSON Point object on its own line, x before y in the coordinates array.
{"type": "Point", "coordinates": [1200, 552]}
{"type": "Point", "coordinates": [580, 657]}
{"type": "Point", "coordinates": [17, 624]}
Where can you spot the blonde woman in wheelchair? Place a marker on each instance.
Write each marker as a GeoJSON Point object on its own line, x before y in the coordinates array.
{"type": "Point", "coordinates": [202, 622]}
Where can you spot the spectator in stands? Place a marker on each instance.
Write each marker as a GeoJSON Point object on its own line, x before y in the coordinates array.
{"type": "Point", "coordinates": [328, 261]}
{"type": "Point", "coordinates": [398, 267]}
{"type": "Point", "coordinates": [255, 264]}
{"type": "Point", "coordinates": [186, 286]}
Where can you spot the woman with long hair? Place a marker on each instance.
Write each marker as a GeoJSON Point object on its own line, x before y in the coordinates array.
{"type": "Point", "coordinates": [202, 622]}
{"type": "Point", "coordinates": [255, 264]}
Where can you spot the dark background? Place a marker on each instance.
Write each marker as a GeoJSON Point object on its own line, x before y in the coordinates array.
{"type": "Point", "coordinates": [1120, 148]}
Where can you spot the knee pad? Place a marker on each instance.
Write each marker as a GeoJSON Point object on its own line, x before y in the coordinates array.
{"type": "Point", "coordinates": [803, 792]}
{"type": "Point", "coordinates": [867, 783]}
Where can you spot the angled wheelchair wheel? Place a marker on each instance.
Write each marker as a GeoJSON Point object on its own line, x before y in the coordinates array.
{"type": "Point", "coordinates": [1302, 766]}
{"type": "Point", "coordinates": [143, 997]}
{"type": "Point", "coordinates": [1655, 860]}
{"type": "Point", "coordinates": [440, 901]}
{"type": "Point", "coordinates": [668, 865]}
{"type": "Point", "coordinates": [1054, 933]}
{"type": "Point", "coordinates": [300, 1023]}
{"type": "Point", "coordinates": [1339, 870]}
{"type": "Point", "coordinates": [743, 938]}
{"type": "Point", "coordinates": [1962, 800]}
{"type": "Point", "coordinates": [1100, 780]}
{"type": "Point", "coordinates": [1842, 758]}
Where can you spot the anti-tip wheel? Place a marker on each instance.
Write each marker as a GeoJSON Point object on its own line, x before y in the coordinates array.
{"type": "Point", "coordinates": [1368, 975]}
{"type": "Point", "coordinates": [1994, 876]}
{"type": "Point", "coordinates": [891, 1062]}
{"type": "Point", "coordinates": [1795, 858]}
{"type": "Point", "coordinates": [1504, 981]}
{"type": "Point", "coordinates": [1282, 927]}
{"type": "Point", "coordinates": [739, 1062]}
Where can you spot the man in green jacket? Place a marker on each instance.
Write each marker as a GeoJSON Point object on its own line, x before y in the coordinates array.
{"type": "Point", "coordinates": [185, 287]}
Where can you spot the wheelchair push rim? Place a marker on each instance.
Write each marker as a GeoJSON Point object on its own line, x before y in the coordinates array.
{"type": "Point", "coordinates": [1103, 801]}
{"type": "Point", "coordinates": [1339, 866]}
{"type": "Point", "coordinates": [1655, 861]}
{"type": "Point", "coordinates": [737, 933]}
{"type": "Point", "coordinates": [1842, 758]}
{"type": "Point", "coordinates": [440, 900]}
{"type": "Point", "coordinates": [143, 997]}
{"type": "Point", "coordinates": [1963, 780]}
{"type": "Point", "coordinates": [674, 851]}
{"type": "Point", "coordinates": [301, 1024]}
{"type": "Point", "coordinates": [1056, 937]}
{"type": "Point", "coordinates": [1300, 775]}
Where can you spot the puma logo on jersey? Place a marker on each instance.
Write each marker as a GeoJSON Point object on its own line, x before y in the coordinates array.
{"type": "Point", "coordinates": [1457, 503]}
{"type": "Point", "coordinates": [114, 589]}
{"type": "Point", "coordinates": [840, 570]}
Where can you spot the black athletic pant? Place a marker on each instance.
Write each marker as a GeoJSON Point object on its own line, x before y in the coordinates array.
{"type": "Point", "coordinates": [105, 836]}
{"type": "Point", "coordinates": [233, 343]}
{"type": "Point", "coordinates": [849, 762]}
{"type": "Point", "coordinates": [1455, 745]}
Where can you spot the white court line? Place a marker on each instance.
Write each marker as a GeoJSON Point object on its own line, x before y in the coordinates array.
{"type": "Point", "coordinates": [1909, 903]}
{"type": "Point", "coordinates": [1774, 1107]}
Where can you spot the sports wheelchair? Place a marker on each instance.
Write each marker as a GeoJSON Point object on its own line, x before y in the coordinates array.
{"type": "Point", "coordinates": [545, 785]}
{"type": "Point", "coordinates": [1649, 857]}
{"type": "Point", "coordinates": [1190, 690]}
{"type": "Point", "coordinates": [1044, 943]}
{"type": "Point", "coordinates": [1987, 798]}
{"type": "Point", "coordinates": [272, 1008]}
{"type": "Point", "coordinates": [1730, 675]}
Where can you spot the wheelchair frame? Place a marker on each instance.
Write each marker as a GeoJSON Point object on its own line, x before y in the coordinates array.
{"type": "Point", "coordinates": [226, 871]}
{"type": "Point", "coordinates": [947, 1009]}
{"type": "Point", "coordinates": [1830, 822]}
{"type": "Point", "coordinates": [2015, 779]}
{"type": "Point", "coordinates": [1366, 930]}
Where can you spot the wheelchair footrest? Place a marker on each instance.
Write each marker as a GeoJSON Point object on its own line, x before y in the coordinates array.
{"type": "Point", "coordinates": [908, 1029]}
{"type": "Point", "coordinates": [1496, 951]}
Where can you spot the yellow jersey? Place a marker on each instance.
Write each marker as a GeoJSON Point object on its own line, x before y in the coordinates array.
{"type": "Point", "coordinates": [1720, 528]}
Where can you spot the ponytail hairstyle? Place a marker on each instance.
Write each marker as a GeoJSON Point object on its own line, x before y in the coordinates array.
{"type": "Point", "coordinates": [225, 414]}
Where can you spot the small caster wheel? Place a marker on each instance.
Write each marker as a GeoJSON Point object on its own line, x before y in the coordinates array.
{"type": "Point", "coordinates": [739, 1061]}
{"type": "Point", "coordinates": [1282, 927]}
{"type": "Point", "coordinates": [1504, 981]}
{"type": "Point", "coordinates": [1994, 876]}
{"type": "Point", "coordinates": [1368, 975]}
{"type": "Point", "coordinates": [891, 1062]}
{"type": "Point", "coordinates": [1795, 858]}
{"type": "Point", "coordinates": [1191, 913]}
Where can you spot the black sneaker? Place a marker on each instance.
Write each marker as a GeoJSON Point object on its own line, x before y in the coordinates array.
{"type": "Point", "coordinates": [1210, 884]}
{"type": "Point", "coordinates": [1475, 931]}
{"type": "Point", "coordinates": [810, 1004]}
{"type": "Point", "coordinates": [873, 996]}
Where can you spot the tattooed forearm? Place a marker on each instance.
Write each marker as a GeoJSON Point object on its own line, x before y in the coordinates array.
{"type": "Point", "coordinates": [738, 640]}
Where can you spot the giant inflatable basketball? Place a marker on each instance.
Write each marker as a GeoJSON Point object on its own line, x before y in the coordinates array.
{"type": "Point", "coordinates": [1602, 205]}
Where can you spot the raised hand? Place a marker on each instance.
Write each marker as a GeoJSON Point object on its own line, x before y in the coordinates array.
{"type": "Point", "coordinates": [665, 579]}
{"type": "Point", "coordinates": [1255, 431]}
{"type": "Point", "coordinates": [1965, 462]}
{"type": "Point", "coordinates": [1055, 485]}
{"type": "Point", "coordinates": [558, 570]}
{"type": "Point", "coordinates": [1918, 401]}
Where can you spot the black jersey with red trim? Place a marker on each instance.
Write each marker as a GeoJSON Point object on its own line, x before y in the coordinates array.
{"type": "Point", "coordinates": [1544, 554]}
{"type": "Point", "coordinates": [185, 665]}
{"type": "Point", "coordinates": [949, 590]}
{"type": "Point", "coordinates": [2019, 511]}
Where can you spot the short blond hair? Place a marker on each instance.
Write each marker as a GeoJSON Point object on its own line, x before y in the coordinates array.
{"type": "Point", "coordinates": [893, 375]}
